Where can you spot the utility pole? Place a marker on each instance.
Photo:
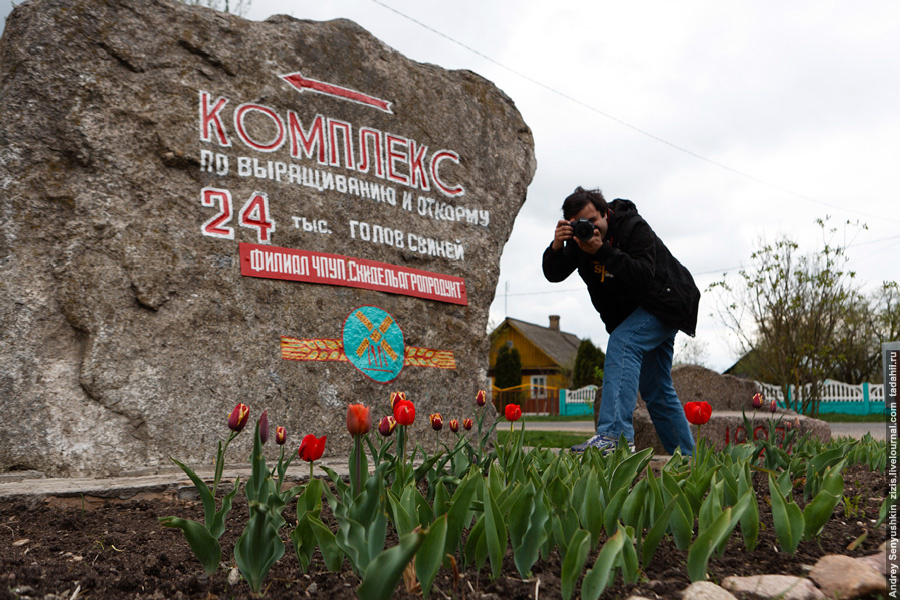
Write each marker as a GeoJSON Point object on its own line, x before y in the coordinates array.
{"type": "Point", "coordinates": [506, 300]}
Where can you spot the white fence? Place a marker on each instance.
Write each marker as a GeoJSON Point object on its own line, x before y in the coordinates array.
{"type": "Point", "coordinates": [583, 395]}
{"type": "Point", "coordinates": [835, 396]}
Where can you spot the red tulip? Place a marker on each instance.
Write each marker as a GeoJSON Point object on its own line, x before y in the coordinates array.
{"type": "Point", "coordinates": [437, 421]}
{"type": "Point", "coordinates": [280, 435]}
{"type": "Point", "coordinates": [513, 412]}
{"type": "Point", "coordinates": [467, 424]}
{"type": "Point", "coordinates": [404, 412]}
{"type": "Point", "coordinates": [311, 448]}
{"type": "Point", "coordinates": [697, 413]}
{"type": "Point", "coordinates": [480, 398]}
{"type": "Point", "coordinates": [454, 425]}
{"type": "Point", "coordinates": [359, 419]}
{"type": "Point", "coordinates": [238, 417]}
{"type": "Point", "coordinates": [263, 427]}
{"type": "Point", "coordinates": [757, 400]}
{"type": "Point", "coordinates": [387, 425]}
{"type": "Point", "coordinates": [773, 406]}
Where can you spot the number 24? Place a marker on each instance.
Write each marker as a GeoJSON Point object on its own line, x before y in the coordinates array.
{"type": "Point", "coordinates": [254, 215]}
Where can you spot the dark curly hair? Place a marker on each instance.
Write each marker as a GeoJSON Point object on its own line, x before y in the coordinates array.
{"type": "Point", "coordinates": [578, 199]}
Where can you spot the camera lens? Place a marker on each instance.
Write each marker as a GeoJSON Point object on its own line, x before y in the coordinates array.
{"type": "Point", "coordinates": [583, 229]}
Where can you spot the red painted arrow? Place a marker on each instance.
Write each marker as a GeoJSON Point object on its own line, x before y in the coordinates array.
{"type": "Point", "coordinates": [302, 83]}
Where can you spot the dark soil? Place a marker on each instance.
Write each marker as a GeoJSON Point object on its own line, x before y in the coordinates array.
{"type": "Point", "coordinates": [119, 550]}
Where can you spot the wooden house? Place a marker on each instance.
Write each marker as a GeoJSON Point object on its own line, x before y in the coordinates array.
{"type": "Point", "coordinates": [548, 356]}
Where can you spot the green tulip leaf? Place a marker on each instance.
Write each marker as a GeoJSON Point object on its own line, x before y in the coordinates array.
{"type": "Point", "coordinates": [682, 519]}
{"type": "Point", "coordinates": [600, 575]}
{"type": "Point", "coordinates": [471, 554]}
{"type": "Point", "coordinates": [527, 550]}
{"type": "Point", "coordinates": [495, 533]}
{"type": "Point", "coordinates": [304, 540]}
{"type": "Point", "coordinates": [651, 542]}
{"type": "Point", "coordinates": [579, 546]}
{"type": "Point", "coordinates": [750, 518]}
{"type": "Point", "coordinates": [386, 569]}
{"type": "Point", "coordinates": [614, 509]}
{"type": "Point", "coordinates": [705, 544]}
{"type": "Point", "coordinates": [204, 546]}
{"type": "Point", "coordinates": [817, 513]}
{"type": "Point", "coordinates": [431, 554]}
{"type": "Point", "coordinates": [590, 510]}
{"type": "Point", "coordinates": [787, 518]}
{"type": "Point", "coordinates": [628, 469]}
{"type": "Point", "coordinates": [206, 497]}
{"type": "Point", "coordinates": [258, 548]}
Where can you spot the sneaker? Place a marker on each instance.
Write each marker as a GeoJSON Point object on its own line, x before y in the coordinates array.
{"type": "Point", "coordinates": [606, 445]}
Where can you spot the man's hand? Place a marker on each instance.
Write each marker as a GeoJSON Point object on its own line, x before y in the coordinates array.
{"type": "Point", "coordinates": [592, 245]}
{"type": "Point", "coordinates": [563, 233]}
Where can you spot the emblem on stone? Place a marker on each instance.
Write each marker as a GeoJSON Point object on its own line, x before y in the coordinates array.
{"type": "Point", "coordinates": [373, 343]}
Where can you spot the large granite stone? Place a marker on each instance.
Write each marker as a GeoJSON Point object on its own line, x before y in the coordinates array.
{"type": "Point", "coordinates": [724, 392]}
{"type": "Point", "coordinates": [144, 145]}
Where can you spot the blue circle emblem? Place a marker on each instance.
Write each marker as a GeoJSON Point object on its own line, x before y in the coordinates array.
{"type": "Point", "coordinates": [373, 343]}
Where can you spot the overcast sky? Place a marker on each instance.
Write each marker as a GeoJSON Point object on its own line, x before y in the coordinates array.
{"type": "Point", "coordinates": [725, 122]}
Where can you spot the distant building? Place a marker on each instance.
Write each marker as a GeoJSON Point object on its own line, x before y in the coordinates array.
{"type": "Point", "coordinates": [548, 356]}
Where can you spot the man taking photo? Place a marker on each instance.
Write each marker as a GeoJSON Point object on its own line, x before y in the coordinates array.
{"type": "Point", "coordinates": [644, 297]}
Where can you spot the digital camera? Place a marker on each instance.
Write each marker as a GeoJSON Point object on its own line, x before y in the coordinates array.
{"type": "Point", "coordinates": [583, 229]}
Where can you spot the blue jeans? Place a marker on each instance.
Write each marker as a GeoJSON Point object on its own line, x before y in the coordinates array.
{"type": "Point", "coordinates": [639, 356]}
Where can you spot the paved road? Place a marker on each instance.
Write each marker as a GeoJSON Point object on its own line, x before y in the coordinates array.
{"type": "Point", "coordinates": [854, 430]}
{"type": "Point", "coordinates": [858, 430]}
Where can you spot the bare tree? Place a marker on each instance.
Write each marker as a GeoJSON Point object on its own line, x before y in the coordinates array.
{"type": "Point", "coordinates": [865, 324]}
{"type": "Point", "coordinates": [236, 7]}
{"type": "Point", "coordinates": [791, 311]}
{"type": "Point", "coordinates": [692, 351]}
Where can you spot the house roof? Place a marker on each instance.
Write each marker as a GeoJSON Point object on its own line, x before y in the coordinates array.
{"type": "Point", "coordinates": [560, 346]}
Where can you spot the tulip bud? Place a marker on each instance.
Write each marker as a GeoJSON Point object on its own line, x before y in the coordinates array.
{"type": "Point", "coordinates": [757, 400]}
{"type": "Point", "coordinates": [311, 448]}
{"type": "Point", "coordinates": [396, 396]}
{"type": "Point", "coordinates": [512, 412]}
{"type": "Point", "coordinates": [238, 417]}
{"type": "Point", "coordinates": [480, 398]}
{"type": "Point", "coordinates": [263, 427]}
{"type": "Point", "coordinates": [437, 421]}
{"type": "Point", "coordinates": [359, 419]}
{"type": "Point", "coordinates": [467, 424]}
{"type": "Point", "coordinates": [454, 425]}
{"type": "Point", "coordinates": [404, 412]}
{"type": "Point", "coordinates": [773, 406]}
{"type": "Point", "coordinates": [280, 436]}
{"type": "Point", "coordinates": [697, 413]}
{"type": "Point", "coordinates": [387, 425]}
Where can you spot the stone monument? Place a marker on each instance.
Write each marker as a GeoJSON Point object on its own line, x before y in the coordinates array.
{"type": "Point", "coordinates": [197, 210]}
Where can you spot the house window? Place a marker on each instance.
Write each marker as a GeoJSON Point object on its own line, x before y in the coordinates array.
{"type": "Point", "coordinates": [538, 386]}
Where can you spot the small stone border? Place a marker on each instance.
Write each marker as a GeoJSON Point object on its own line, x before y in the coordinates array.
{"type": "Point", "coordinates": [833, 577]}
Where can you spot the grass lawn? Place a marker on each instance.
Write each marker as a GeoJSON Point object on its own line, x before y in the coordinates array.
{"type": "Point", "coordinates": [547, 439]}
{"type": "Point", "coordinates": [839, 418]}
{"type": "Point", "coordinates": [558, 418]}
{"type": "Point", "coordinates": [827, 417]}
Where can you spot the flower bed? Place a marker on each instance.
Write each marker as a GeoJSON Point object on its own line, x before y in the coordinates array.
{"type": "Point", "coordinates": [477, 522]}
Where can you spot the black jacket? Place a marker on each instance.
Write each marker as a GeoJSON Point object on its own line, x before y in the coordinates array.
{"type": "Point", "coordinates": [633, 268]}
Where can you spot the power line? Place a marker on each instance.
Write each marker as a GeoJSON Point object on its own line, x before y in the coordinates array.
{"type": "Point", "coordinates": [545, 292]}
{"type": "Point", "coordinates": [884, 239]}
{"type": "Point", "coordinates": [625, 123]}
